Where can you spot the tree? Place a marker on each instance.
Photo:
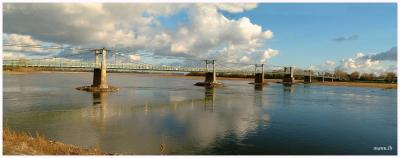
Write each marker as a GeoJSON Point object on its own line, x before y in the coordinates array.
{"type": "Point", "coordinates": [341, 75]}
{"type": "Point", "coordinates": [367, 76]}
{"type": "Point", "coordinates": [22, 61]}
{"type": "Point", "coordinates": [390, 77]}
{"type": "Point", "coordinates": [354, 76]}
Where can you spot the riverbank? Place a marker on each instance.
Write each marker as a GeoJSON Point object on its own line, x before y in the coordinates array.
{"type": "Point", "coordinates": [197, 77]}
{"type": "Point", "coordinates": [358, 84]}
{"type": "Point", "coordinates": [22, 143]}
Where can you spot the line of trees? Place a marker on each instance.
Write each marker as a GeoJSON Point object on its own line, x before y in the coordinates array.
{"type": "Point", "coordinates": [357, 76]}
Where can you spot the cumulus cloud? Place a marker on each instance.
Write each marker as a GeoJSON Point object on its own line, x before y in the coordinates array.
{"type": "Point", "coordinates": [330, 63]}
{"type": "Point", "coordinates": [375, 63]}
{"type": "Point", "coordinates": [390, 55]}
{"type": "Point", "coordinates": [134, 57]}
{"type": "Point", "coordinates": [259, 57]}
{"type": "Point", "coordinates": [22, 39]}
{"type": "Point", "coordinates": [12, 56]}
{"type": "Point", "coordinates": [206, 34]}
{"type": "Point", "coordinates": [236, 7]}
{"type": "Point", "coordinates": [345, 38]}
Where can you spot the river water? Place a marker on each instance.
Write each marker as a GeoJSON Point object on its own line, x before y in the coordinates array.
{"type": "Point", "coordinates": [166, 115]}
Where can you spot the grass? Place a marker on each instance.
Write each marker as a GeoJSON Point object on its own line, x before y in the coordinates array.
{"type": "Point", "coordinates": [23, 143]}
{"type": "Point", "coordinates": [359, 84]}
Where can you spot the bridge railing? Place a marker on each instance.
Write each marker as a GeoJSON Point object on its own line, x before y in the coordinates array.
{"type": "Point", "coordinates": [60, 63]}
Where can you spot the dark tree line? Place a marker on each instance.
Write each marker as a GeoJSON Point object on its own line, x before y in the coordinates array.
{"type": "Point", "coordinates": [357, 76]}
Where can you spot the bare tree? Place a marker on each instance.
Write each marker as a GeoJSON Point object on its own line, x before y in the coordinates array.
{"type": "Point", "coordinates": [354, 76]}
{"type": "Point", "coordinates": [341, 75]}
{"type": "Point", "coordinates": [390, 77]}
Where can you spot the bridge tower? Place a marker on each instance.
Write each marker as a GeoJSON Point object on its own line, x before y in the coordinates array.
{"type": "Point", "coordinates": [288, 77]}
{"type": "Point", "coordinates": [307, 76]}
{"type": "Point", "coordinates": [96, 59]}
{"type": "Point", "coordinates": [99, 75]}
{"type": "Point", "coordinates": [258, 75]}
{"type": "Point", "coordinates": [210, 77]}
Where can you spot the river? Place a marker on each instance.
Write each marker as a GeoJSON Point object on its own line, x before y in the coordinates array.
{"type": "Point", "coordinates": [155, 115]}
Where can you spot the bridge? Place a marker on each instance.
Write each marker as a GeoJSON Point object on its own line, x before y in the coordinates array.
{"type": "Point", "coordinates": [88, 60]}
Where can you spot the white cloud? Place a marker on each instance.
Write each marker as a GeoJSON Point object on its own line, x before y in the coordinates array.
{"type": "Point", "coordinates": [330, 63]}
{"type": "Point", "coordinates": [236, 7]}
{"type": "Point", "coordinates": [23, 39]}
{"type": "Point", "coordinates": [207, 33]}
{"type": "Point", "coordinates": [12, 56]}
{"type": "Point", "coordinates": [362, 64]}
{"type": "Point", "coordinates": [135, 57]}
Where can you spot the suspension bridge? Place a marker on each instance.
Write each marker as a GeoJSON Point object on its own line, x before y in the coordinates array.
{"type": "Point", "coordinates": [87, 59]}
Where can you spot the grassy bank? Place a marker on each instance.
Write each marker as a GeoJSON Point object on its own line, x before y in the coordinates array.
{"type": "Point", "coordinates": [359, 84]}
{"type": "Point", "coordinates": [22, 143]}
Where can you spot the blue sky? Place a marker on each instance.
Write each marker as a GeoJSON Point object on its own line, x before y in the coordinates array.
{"type": "Point", "coordinates": [298, 34]}
{"type": "Point", "coordinates": [303, 33]}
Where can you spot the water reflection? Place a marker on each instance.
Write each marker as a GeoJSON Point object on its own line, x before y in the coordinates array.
{"type": "Point", "coordinates": [258, 97]}
{"type": "Point", "coordinates": [100, 99]}
{"type": "Point", "coordinates": [166, 119]}
{"type": "Point", "coordinates": [209, 99]}
{"type": "Point", "coordinates": [99, 109]}
{"type": "Point", "coordinates": [288, 88]}
{"type": "Point", "coordinates": [258, 87]}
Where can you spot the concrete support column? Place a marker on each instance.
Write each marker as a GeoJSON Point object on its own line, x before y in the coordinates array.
{"type": "Point", "coordinates": [258, 76]}
{"type": "Point", "coordinates": [214, 72]}
{"type": "Point", "coordinates": [96, 59]}
{"type": "Point", "coordinates": [291, 71]}
{"type": "Point", "coordinates": [307, 76]}
{"type": "Point", "coordinates": [103, 81]}
{"type": "Point", "coordinates": [288, 77]}
{"type": "Point", "coordinates": [323, 76]}
{"type": "Point", "coordinates": [262, 71]}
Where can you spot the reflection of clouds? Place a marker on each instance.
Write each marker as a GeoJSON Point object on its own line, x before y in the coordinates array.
{"type": "Point", "coordinates": [206, 126]}
{"type": "Point", "coordinates": [176, 96]}
{"type": "Point", "coordinates": [181, 124]}
{"type": "Point", "coordinates": [119, 121]}
{"type": "Point", "coordinates": [100, 109]}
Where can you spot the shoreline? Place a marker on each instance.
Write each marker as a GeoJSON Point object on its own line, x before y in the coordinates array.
{"type": "Point", "coordinates": [175, 75]}
{"type": "Point", "coordinates": [358, 84]}
{"type": "Point", "coordinates": [23, 143]}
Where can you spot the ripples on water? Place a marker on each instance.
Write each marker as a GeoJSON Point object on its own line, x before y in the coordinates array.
{"type": "Point", "coordinates": [237, 119]}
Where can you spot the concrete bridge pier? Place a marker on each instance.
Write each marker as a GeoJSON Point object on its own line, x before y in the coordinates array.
{"type": "Point", "coordinates": [96, 70]}
{"type": "Point", "coordinates": [99, 76]}
{"type": "Point", "coordinates": [210, 77]}
{"type": "Point", "coordinates": [258, 75]}
{"type": "Point", "coordinates": [307, 76]}
{"type": "Point", "coordinates": [96, 58]}
{"type": "Point", "coordinates": [288, 77]}
{"type": "Point", "coordinates": [103, 77]}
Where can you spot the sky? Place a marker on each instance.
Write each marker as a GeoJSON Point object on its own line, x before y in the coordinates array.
{"type": "Point", "coordinates": [350, 37]}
